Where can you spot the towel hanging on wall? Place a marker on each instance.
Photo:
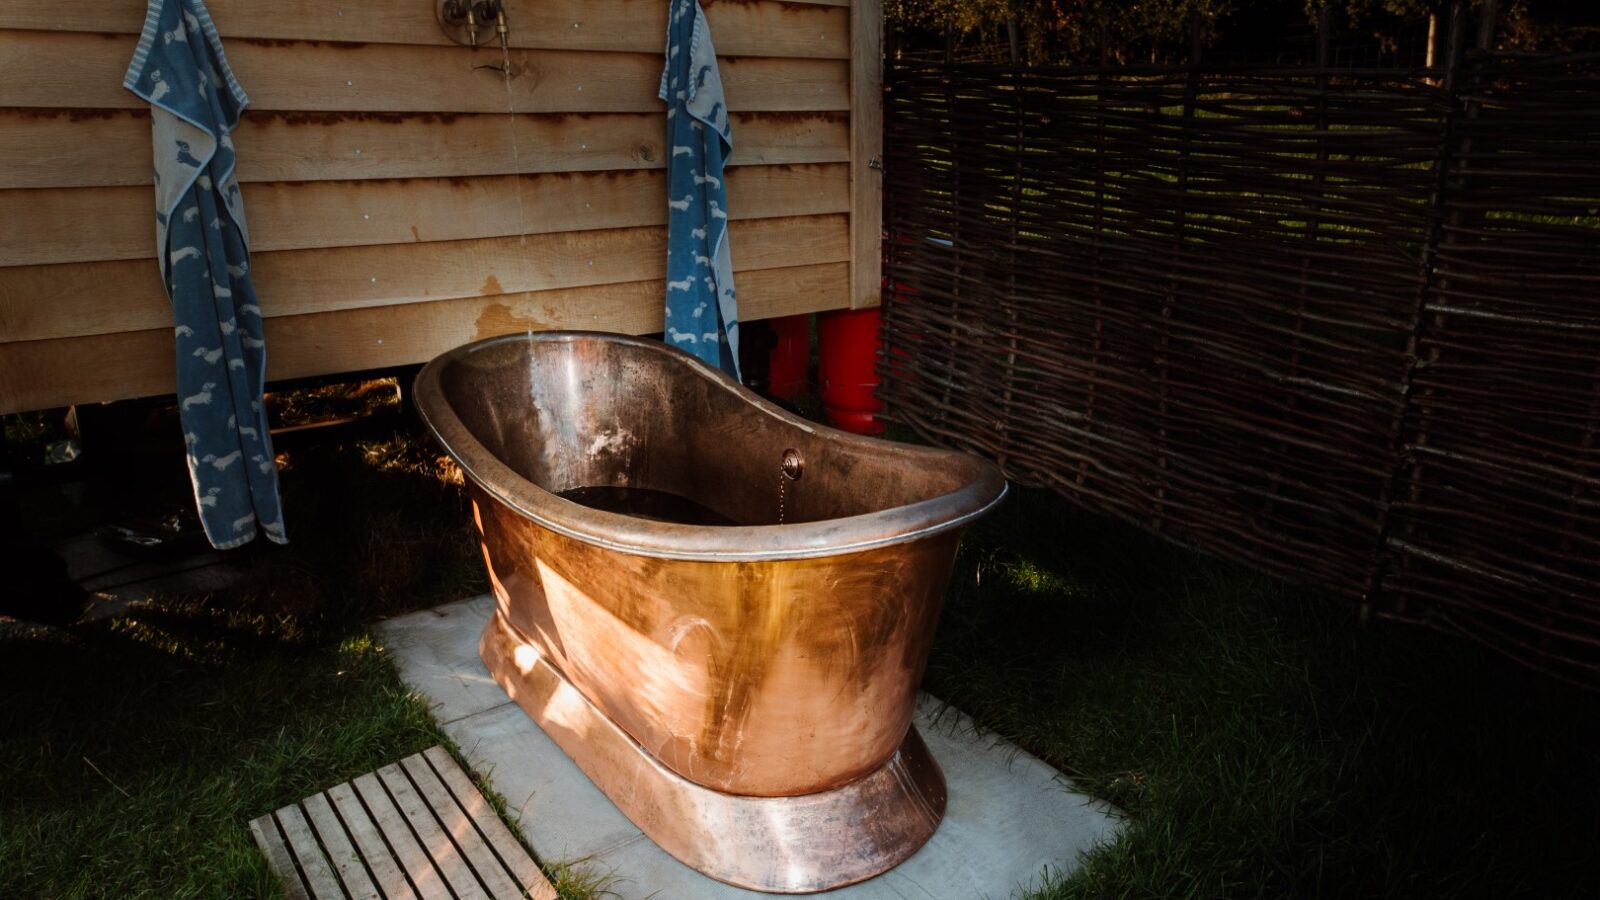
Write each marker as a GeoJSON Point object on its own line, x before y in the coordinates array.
{"type": "Point", "coordinates": [203, 248]}
{"type": "Point", "coordinates": [702, 310]}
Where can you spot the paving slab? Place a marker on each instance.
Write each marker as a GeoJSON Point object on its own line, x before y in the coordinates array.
{"type": "Point", "coordinates": [436, 651]}
{"type": "Point", "coordinates": [108, 573]}
{"type": "Point", "coordinates": [1010, 816]}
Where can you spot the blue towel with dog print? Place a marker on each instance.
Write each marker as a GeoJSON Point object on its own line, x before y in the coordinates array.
{"type": "Point", "coordinates": [702, 313]}
{"type": "Point", "coordinates": [203, 248]}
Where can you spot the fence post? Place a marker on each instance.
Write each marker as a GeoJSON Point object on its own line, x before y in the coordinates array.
{"type": "Point", "coordinates": [1097, 243]}
{"type": "Point", "coordinates": [958, 250]}
{"type": "Point", "coordinates": [1401, 461]}
{"type": "Point", "coordinates": [1191, 95]}
{"type": "Point", "coordinates": [1313, 234]}
{"type": "Point", "coordinates": [1008, 376]}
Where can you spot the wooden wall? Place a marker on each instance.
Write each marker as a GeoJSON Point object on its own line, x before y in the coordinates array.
{"type": "Point", "coordinates": [397, 207]}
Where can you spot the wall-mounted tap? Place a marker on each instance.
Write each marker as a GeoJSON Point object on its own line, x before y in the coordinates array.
{"type": "Point", "coordinates": [495, 11]}
{"type": "Point", "coordinates": [465, 19]}
{"type": "Point", "coordinates": [458, 14]}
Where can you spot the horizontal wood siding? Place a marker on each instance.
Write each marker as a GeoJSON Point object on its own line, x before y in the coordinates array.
{"type": "Point", "coordinates": [403, 196]}
{"type": "Point", "coordinates": [373, 337]}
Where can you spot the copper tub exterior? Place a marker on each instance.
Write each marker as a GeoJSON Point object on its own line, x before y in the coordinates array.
{"type": "Point", "coordinates": [762, 671]}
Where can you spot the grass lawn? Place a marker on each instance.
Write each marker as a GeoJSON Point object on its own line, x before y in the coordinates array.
{"type": "Point", "coordinates": [1262, 744]}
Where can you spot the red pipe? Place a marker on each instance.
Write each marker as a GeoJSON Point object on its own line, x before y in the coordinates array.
{"type": "Point", "coordinates": [790, 360]}
{"type": "Point", "coordinates": [847, 360]}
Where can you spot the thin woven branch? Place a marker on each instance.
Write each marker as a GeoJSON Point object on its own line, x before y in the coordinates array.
{"type": "Point", "coordinates": [1343, 325]}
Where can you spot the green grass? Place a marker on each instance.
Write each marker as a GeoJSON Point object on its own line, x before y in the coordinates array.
{"type": "Point", "coordinates": [133, 758]}
{"type": "Point", "coordinates": [134, 753]}
{"type": "Point", "coordinates": [1261, 743]}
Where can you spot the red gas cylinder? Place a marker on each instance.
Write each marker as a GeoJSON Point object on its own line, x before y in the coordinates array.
{"type": "Point", "coordinates": [847, 360]}
{"type": "Point", "coordinates": [790, 361]}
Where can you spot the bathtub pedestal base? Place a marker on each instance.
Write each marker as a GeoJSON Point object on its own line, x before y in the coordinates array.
{"type": "Point", "coordinates": [792, 845]}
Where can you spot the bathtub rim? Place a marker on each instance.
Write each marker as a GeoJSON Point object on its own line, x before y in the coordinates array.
{"type": "Point", "coordinates": [667, 540]}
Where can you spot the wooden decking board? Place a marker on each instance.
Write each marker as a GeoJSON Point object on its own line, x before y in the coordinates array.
{"type": "Point", "coordinates": [276, 848]}
{"type": "Point", "coordinates": [398, 834]}
{"type": "Point", "coordinates": [388, 874]}
{"type": "Point", "coordinates": [414, 830]}
{"type": "Point", "coordinates": [336, 843]}
{"type": "Point", "coordinates": [483, 861]}
{"type": "Point", "coordinates": [314, 866]}
{"type": "Point", "coordinates": [505, 844]}
{"type": "Point", "coordinates": [441, 849]}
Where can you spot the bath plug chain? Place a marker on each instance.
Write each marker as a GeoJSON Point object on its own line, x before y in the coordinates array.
{"type": "Point", "coordinates": [788, 470]}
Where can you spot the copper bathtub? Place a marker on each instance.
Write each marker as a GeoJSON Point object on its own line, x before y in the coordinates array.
{"type": "Point", "coordinates": [720, 611]}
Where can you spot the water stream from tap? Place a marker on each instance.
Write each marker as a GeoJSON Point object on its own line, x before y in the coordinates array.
{"type": "Point", "coordinates": [516, 160]}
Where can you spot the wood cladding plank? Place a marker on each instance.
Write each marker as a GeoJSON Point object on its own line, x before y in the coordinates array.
{"type": "Point", "coordinates": [50, 373]}
{"type": "Point", "coordinates": [85, 72]}
{"type": "Point", "coordinates": [866, 143]}
{"type": "Point", "coordinates": [102, 148]}
{"type": "Point", "coordinates": [819, 30]}
{"type": "Point", "coordinates": [95, 224]}
{"type": "Point", "coordinates": [43, 302]}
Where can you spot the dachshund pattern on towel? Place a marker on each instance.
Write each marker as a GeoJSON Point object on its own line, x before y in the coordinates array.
{"type": "Point", "coordinates": [702, 309]}
{"type": "Point", "coordinates": [203, 249]}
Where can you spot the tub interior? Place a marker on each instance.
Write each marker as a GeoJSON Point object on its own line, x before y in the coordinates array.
{"type": "Point", "coordinates": [630, 427]}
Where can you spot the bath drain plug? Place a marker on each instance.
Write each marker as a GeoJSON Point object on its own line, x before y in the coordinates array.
{"type": "Point", "coordinates": [792, 464]}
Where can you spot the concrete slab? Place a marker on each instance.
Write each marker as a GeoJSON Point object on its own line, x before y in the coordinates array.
{"type": "Point", "coordinates": [436, 651]}
{"type": "Point", "coordinates": [1010, 816]}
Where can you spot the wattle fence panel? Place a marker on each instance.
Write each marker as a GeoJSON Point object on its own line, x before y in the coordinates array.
{"type": "Point", "coordinates": [1341, 324]}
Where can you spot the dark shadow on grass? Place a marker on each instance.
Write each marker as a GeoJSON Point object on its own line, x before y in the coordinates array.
{"type": "Point", "coordinates": [134, 750]}
{"type": "Point", "coordinates": [1263, 743]}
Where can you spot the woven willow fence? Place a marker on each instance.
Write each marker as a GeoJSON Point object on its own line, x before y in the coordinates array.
{"type": "Point", "coordinates": [1343, 325]}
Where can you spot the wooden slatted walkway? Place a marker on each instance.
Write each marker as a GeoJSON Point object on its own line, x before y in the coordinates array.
{"type": "Point", "coordinates": [417, 829]}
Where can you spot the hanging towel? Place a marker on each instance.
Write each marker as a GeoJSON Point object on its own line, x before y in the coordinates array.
{"type": "Point", "coordinates": [702, 308]}
{"type": "Point", "coordinates": [202, 245]}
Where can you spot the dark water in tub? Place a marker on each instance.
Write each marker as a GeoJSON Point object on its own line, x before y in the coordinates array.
{"type": "Point", "coordinates": [644, 503]}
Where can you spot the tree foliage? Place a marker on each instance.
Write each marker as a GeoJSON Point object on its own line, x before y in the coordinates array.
{"type": "Point", "coordinates": [1071, 29]}
{"type": "Point", "coordinates": [1078, 31]}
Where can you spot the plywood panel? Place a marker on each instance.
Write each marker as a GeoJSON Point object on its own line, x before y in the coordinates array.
{"type": "Point", "coordinates": [740, 28]}
{"type": "Point", "coordinates": [54, 148]}
{"type": "Point", "coordinates": [40, 374]}
{"type": "Point", "coordinates": [41, 302]}
{"type": "Point", "coordinates": [85, 72]}
{"type": "Point", "coordinates": [94, 224]}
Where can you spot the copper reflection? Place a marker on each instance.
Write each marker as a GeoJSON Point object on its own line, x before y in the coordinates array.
{"type": "Point", "coordinates": [743, 692]}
